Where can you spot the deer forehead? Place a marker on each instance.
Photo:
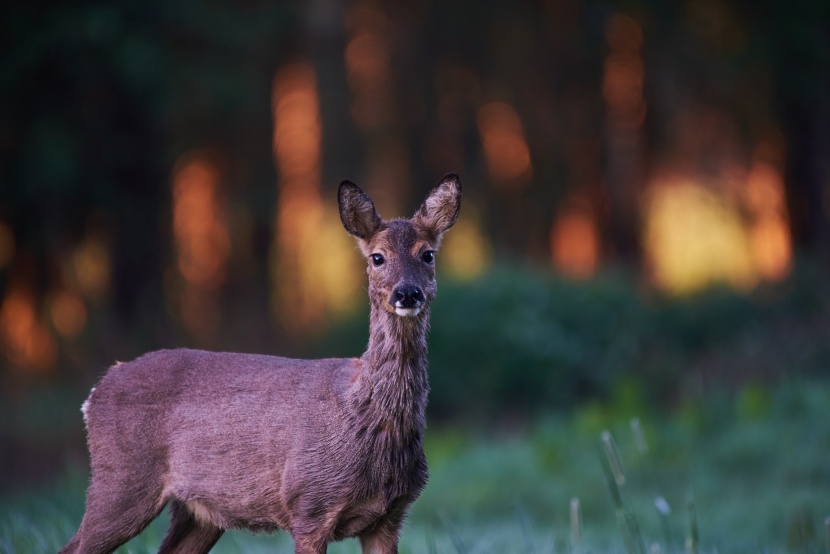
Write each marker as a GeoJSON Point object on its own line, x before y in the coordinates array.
{"type": "Point", "coordinates": [400, 236]}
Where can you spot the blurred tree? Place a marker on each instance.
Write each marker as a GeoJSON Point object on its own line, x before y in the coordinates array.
{"type": "Point", "coordinates": [795, 39]}
{"type": "Point", "coordinates": [100, 100]}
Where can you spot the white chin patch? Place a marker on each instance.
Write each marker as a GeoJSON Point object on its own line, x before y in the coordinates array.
{"type": "Point", "coordinates": [407, 312]}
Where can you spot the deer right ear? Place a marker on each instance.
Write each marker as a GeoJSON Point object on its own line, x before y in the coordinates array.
{"type": "Point", "coordinates": [357, 211]}
{"type": "Point", "coordinates": [440, 210]}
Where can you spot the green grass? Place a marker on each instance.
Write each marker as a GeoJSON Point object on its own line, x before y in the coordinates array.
{"type": "Point", "coordinates": [756, 466]}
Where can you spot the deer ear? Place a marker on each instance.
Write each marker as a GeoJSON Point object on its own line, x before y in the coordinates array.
{"type": "Point", "coordinates": [440, 210]}
{"type": "Point", "coordinates": [357, 211]}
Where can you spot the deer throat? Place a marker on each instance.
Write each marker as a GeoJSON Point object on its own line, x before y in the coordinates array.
{"type": "Point", "coordinates": [396, 369]}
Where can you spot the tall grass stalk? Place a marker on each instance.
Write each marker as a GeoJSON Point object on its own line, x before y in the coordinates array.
{"type": "Point", "coordinates": [615, 477]}
{"type": "Point", "coordinates": [692, 539]}
{"type": "Point", "coordinates": [827, 532]}
{"type": "Point", "coordinates": [527, 532]}
{"type": "Point", "coordinates": [454, 537]}
{"type": "Point", "coordinates": [432, 548]}
{"type": "Point", "coordinates": [664, 509]}
{"type": "Point", "coordinates": [639, 436]}
{"type": "Point", "coordinates": [576, 524]}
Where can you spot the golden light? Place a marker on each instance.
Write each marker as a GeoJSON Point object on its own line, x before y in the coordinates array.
{"type": "Point", "coordinates": [695, 237]}
{"type": "Point", "coordinates": [505, 148]}
{"type": "Point", "coordinates": [199, 228]}
{"type": "Point", "coordinates": [92, 267]}
{"type": "Point", "coordinates": [202, 242]}
{"type": "Point", "coordinates": [26, 341]}
{"type": "Point", "coordinates": [313, 254]}
{"type": "Point", "coordinates": [769, 233]}
{"type": "Point", "coordinates": [574, 241]}
{"type": "Point", "coordinates": [69, 314]}
{"type": "Point", "coordinates": [465, 253]}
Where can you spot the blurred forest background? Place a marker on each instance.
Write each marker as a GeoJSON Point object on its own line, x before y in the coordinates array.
{"type": "Point", "coordinates": [646, 208]}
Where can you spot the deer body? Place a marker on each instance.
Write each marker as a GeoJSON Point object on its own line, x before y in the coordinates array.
{"type": "Point", "coordinates": [324, 449]}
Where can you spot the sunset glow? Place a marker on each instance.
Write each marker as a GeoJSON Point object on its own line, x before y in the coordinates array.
{"type": "Point", "coordinates": [92, 267]}
{"type": "Point", "coordinates": [26, 340]}
{"type": "Point", "coordinates": [69, 314]}
{"type": "Point", "coordinates": [505, 147]}
{"type": "Point", "coordinates": [312, 251]}
{"type": "Point", "coordinates": [769, 231]}
{"type": "Point", "coordinates": [466, 252]}
{"type": "Point", "coordinates": [695, 236]}
{"type": "Point", "coordinates": [574, 241]}
{"type": "Point", "coordinates": [202, 242]}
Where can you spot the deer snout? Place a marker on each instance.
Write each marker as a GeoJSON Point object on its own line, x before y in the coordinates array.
{"type": "Point", "coordinates": [407, 300]}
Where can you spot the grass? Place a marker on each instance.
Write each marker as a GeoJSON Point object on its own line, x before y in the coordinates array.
{"type": "Point", "coordinates": [754, 466]}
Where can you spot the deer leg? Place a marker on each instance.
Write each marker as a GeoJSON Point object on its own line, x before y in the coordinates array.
{"type": "Point", "coordinates": [309, 544]}
{"type": "Point", "coordinates": [113, 516]}
{"type": "Point", "coordinates": [379, 542]}
{"type": "Point", "coordinates": [187, 535]}
{"type": "Point", "coordinates": [382, 538]}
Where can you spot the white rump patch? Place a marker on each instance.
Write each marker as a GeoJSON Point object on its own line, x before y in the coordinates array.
{"type": "Point", "coordinates": [85, 405]}
{"type": "Point", "coordinates": [200, 512]}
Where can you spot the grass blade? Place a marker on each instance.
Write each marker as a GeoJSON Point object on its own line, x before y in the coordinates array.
{"type": "Point", "coordinates": [454, 537]}
{"type": "Point", "coordinates": [692, 539]}
{"type": "Point", "coordinates": [576, 523]}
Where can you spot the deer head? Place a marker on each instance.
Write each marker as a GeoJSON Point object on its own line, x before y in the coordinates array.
{"type": "Point", "coordinates": [400, 253]}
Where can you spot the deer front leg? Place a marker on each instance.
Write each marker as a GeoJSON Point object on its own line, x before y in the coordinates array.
{"type": "Point", "coordinates": [380, 542]}
{"type": "Point", "coordinates": [383, 537]}
{"type": "Point", "coordinates": [309, 544]}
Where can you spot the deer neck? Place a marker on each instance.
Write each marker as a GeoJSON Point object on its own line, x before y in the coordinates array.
{"type": "Point", "coordinates": [395, 370]}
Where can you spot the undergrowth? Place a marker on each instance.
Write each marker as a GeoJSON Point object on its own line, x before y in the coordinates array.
{"type": "Point", "coordinates": [743, 472]}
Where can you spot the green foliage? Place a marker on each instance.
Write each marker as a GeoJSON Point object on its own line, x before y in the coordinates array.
{"type": "Point", "coordinates": [733, 485]}
{"type": "Point", "coordinates": [519, 342]}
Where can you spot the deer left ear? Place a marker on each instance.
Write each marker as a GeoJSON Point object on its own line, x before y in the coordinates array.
{"type": "Point", "coordinates": [440, 210]}
{"type": "Point", "coordinates": [357, 211]}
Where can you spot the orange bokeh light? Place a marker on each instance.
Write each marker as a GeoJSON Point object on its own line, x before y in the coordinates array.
{"type": "Point", "coordinates": [312, 250]}
{"type": "Point", "coordinates": [201, 235]}
{"type": "Point", "coordinates": [203, 244]}
{"type": "Point", "coordinates": [505, 148]}
{"type": "Point", "coordinates": [574, 242]}
{"type": "Point", "coordinates": [69, 314]}
{"type": "Point", "coordinates": [769, 233]}
{"type": "Point", "coordinates": [26, 341]}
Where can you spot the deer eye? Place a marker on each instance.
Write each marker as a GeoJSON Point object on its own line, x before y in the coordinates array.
{"type": "Point", "coordinates": [428, 256]}
{"type": "Point", "coordinates": [377, 259]}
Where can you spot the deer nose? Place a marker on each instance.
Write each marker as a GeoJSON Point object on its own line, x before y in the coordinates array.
{"type": "Point", "coordinates": [407, 296]}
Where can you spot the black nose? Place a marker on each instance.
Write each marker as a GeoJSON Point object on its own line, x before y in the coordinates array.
{"type": "Point", "coordinates": [407, 296]}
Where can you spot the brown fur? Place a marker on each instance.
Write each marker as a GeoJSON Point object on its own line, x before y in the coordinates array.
{"type": "Point", "coordinates": [324, 449]}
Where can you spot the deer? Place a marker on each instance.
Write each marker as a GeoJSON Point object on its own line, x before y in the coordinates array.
{"type": "Point", "coordinates": [324, 449]}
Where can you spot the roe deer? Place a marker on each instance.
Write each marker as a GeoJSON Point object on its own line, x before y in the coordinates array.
{"type": "Point", "coordinates": [324, 449]}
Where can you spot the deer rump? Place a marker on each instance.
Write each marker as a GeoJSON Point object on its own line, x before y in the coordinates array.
{"type": "Point", "coordinates": [253, 442]}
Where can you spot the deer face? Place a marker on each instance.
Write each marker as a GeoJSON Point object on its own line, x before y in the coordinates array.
{"type": "Point", "coordinates": [401, 268]}
{"type": "Point", "coordinates": [401, 253]}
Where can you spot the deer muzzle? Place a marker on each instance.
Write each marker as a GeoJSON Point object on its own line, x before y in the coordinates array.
{"type": "Point", "coordinates": [407, 300]}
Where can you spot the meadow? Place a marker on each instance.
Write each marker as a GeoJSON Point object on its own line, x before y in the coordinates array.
{"type": "Point", "coordinates": [743, 472]}
{"type": "Point", "coordinates": [615, 421]}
